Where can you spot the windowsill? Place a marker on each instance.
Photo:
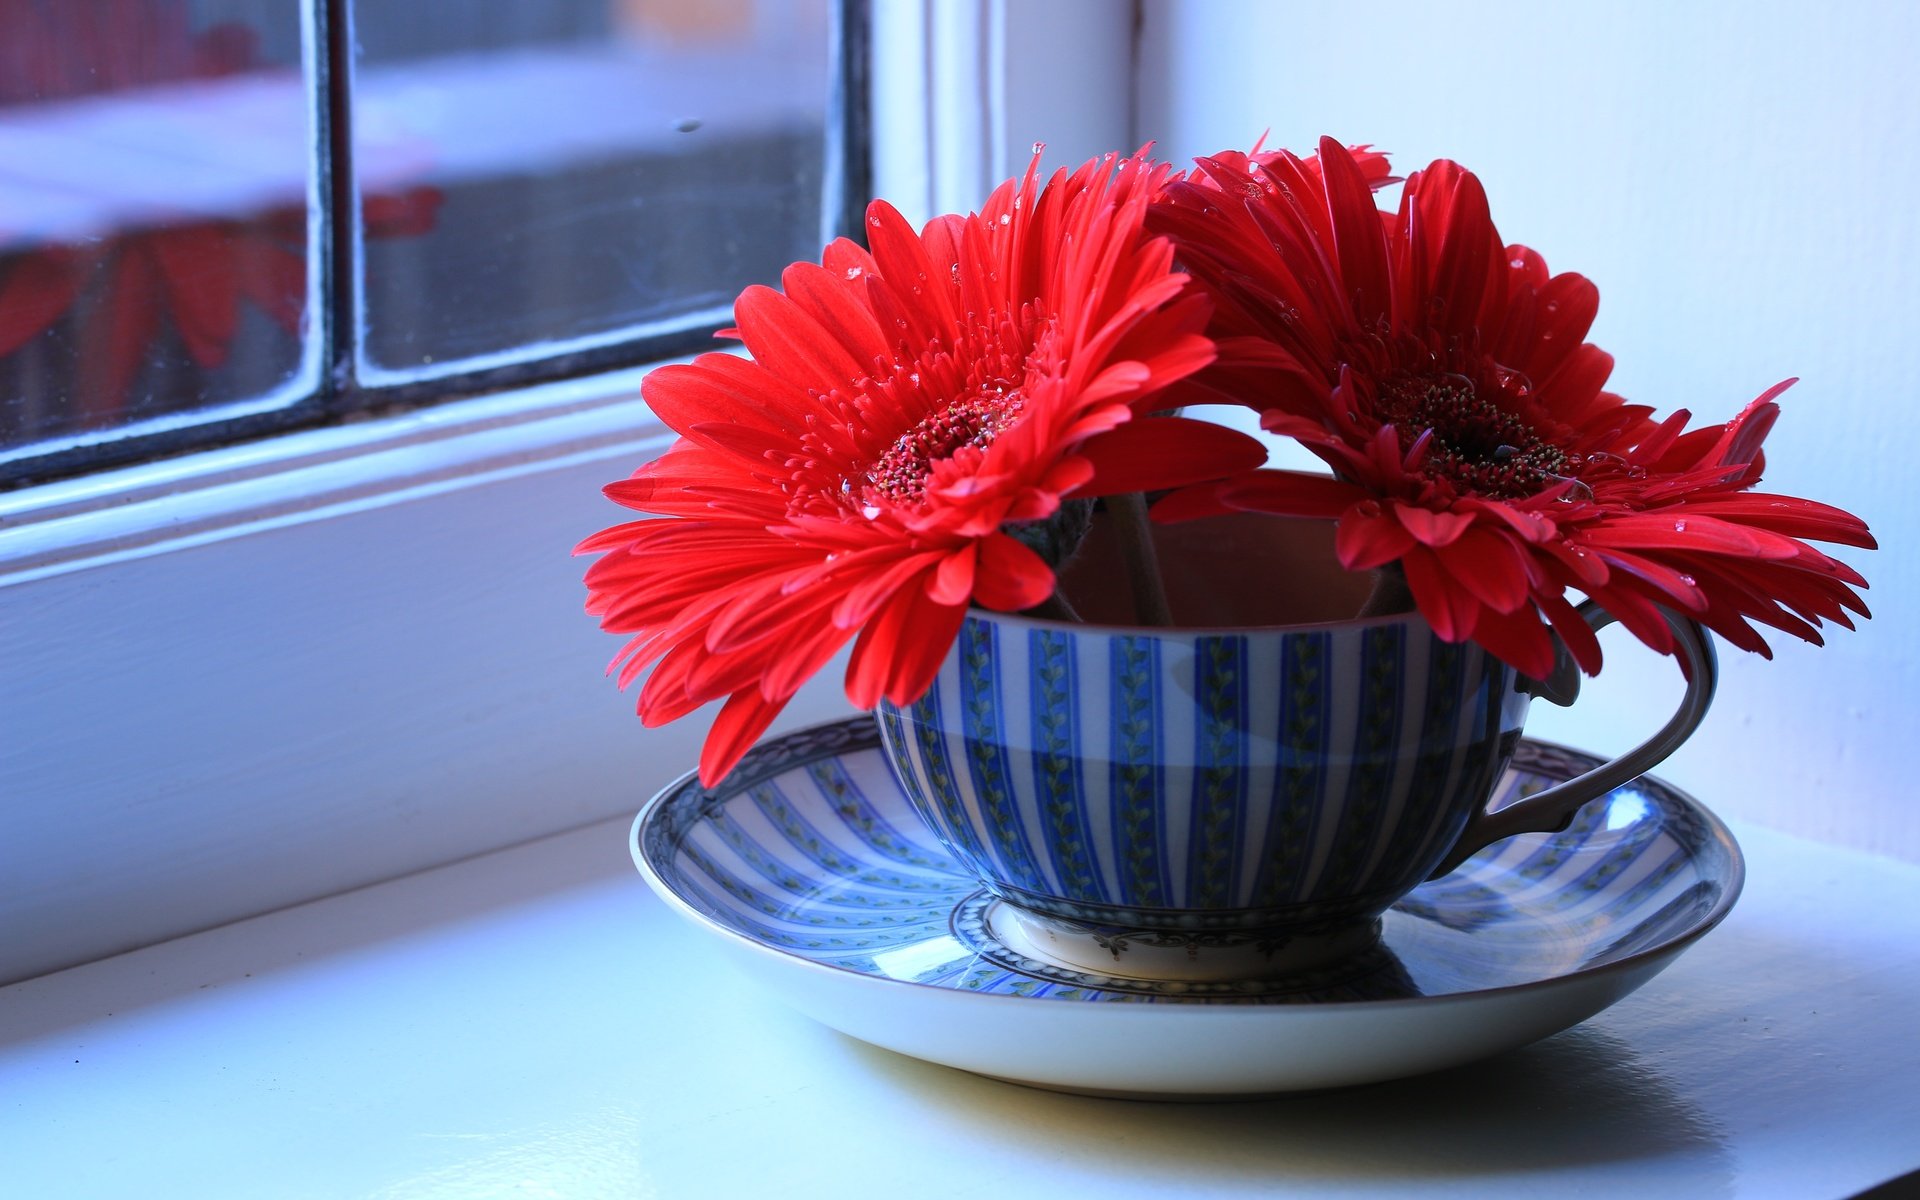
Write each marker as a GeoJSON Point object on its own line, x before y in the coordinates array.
{"type": "Point", "coordinates": [110, 516]}
{"type": "Point", "coordinates": [533, 1022]}
{"type": "Point", "coordinates": [260, 675]}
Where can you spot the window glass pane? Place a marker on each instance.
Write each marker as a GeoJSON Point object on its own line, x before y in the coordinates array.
{"type": "Point", "coordinates": [606, 168]}
{"type": "Point", "coordinates": [155, 158]}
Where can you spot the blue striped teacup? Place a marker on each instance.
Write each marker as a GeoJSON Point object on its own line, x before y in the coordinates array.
{"type": "Point", "coordinates": [1222, 803]}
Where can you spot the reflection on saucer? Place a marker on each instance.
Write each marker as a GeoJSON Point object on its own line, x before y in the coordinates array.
{"type": "Point", "coordinates": [808, 862]}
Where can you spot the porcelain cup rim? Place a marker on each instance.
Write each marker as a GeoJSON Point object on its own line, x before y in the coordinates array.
{"type": "Point", "coordinates": [1085, 628]}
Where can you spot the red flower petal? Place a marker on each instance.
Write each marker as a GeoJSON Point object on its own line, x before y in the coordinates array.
{"type": "Point", "coordinates": [1489, 566]}
{"type": "Point", "coordinates": [1517, 639]}
{"type": "Point", "coordinates": [898, 654]}
{"type": "Point", "coordinates": [1357, 236]}
{"type": "Point", "coordinates": [1156, 453]}
{"type": "Point", "coordinates": [1011, 577]}
{"type": "Point", "coordinates": [1290, 494]}
{"type": "Point", "coordinates": [722, 389]}
{"type": "Point", "coordinates": [1638, 614]}
{"type": "Point", "coordinates": [742, 719]}
{"type": "Point", "coordinates": [1187, 504]}
{"type": "Point", "coordinates": [1451, 611]}
{"type": "Point", "coordinates": [1432, 527]}
{"type": "Point", "coordinates": [952, 581]}
{"type": "Point", "coordinates": [1791, 516]}
{"type": "Point", "coordinates": [833, 300]}
{"type": "Point", "coordinates": [785, 338]}
{"type": "Point", "coordinates": [1367, 537]}
{"type": "Point", "coordinates": [1573, 631]}
{"type": "Point", "coordinates": [1682, 530]}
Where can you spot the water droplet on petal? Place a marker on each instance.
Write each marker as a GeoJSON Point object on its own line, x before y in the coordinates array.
{"type": "Point", "coordinates": [1576, 493]}
{"type": "Point", "coordinates": [870, 511]}
{"type": "Point", "coordinates": [854, 272]}
{"type": "Point", "coordinates": [1006, 218]}
{"type": "Point", "coordinates": [1690, 581]}
{"type": "Point", "coordinates": [1679, 526]}
{"type": "Point", "coordinates": [1513, 382]}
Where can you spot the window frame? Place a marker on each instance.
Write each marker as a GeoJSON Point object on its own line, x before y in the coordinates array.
{"type": "Point", "coordinates": [334, 379]}
{"type": "Point", "coordinates": [153, 614]}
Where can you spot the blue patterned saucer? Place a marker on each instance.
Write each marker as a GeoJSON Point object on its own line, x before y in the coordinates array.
{"type": "Point", "coordinates": [817, 876]}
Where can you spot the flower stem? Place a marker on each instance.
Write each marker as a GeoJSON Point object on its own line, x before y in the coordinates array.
{"type": "Point", "coordinates": [1130, 522]}
{"type": "Point", "coordinates": [1055, 608]}
{"type": "Point", "coordinates": [1390, 593]}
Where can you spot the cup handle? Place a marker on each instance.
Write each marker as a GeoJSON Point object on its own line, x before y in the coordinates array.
{"type": "Point", "coordinates": [1553, 809]}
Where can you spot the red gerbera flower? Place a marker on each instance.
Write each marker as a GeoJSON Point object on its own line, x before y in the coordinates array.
{"type": "Point", "coordinates": [901, 409]}
{"type": "Point", "coordinates": [1446, 380]}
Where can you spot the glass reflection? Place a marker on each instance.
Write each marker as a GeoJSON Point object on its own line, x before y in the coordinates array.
{"type": "Point", "coordinates": [610, 167]}
{"type": "Point", "coordinates": [152, 224]}
{"type": "Point", "coordinates": [155, 168]}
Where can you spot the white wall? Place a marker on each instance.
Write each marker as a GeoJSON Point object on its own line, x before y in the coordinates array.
{"type": "Point", "coordinates": [1739, 180]}
{"type": "Point", "coordinates": [963, 89]}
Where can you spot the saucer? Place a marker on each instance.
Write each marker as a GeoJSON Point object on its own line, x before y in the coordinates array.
{"type": "Point", "coordinates": [813, 872]}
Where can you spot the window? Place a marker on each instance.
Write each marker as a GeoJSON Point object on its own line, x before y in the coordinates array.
{"type": "Point", "coordinates": [243, 677]}
{"type": "Point", "coordinates": [224, 217]}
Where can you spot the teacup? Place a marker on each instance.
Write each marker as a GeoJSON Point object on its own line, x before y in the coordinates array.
{"type": "Point", "coordinates": [1233, 801]}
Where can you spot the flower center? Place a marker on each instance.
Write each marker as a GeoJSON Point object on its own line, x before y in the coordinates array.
{"type": "Point", "coordinates": [902, 470]}
{"type": "Point", "coordinates": [1477, 445]}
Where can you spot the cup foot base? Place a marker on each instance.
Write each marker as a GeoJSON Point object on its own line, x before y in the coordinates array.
{"type": "Point", "coordinates": [1172, 955]}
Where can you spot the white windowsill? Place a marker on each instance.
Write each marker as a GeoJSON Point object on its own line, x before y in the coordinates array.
{"type": "Point", "coordinates": [535, 1023]}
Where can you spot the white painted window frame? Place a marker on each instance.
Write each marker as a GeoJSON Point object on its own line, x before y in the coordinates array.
{"type": "Point", "coordinates": [249, 677]}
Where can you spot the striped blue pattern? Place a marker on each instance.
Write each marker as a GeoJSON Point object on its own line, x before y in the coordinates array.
{"type": "Point", "coordinates": [1265, 777]}
{"type": "Point", "coordinates": [811, 849]}
{"type": "Point", "coordinates": [988, 761]}
{"type": "Point", "coordinates": [1059, 776]}
{"type": "Point", "coordinates": [1136, 778]}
